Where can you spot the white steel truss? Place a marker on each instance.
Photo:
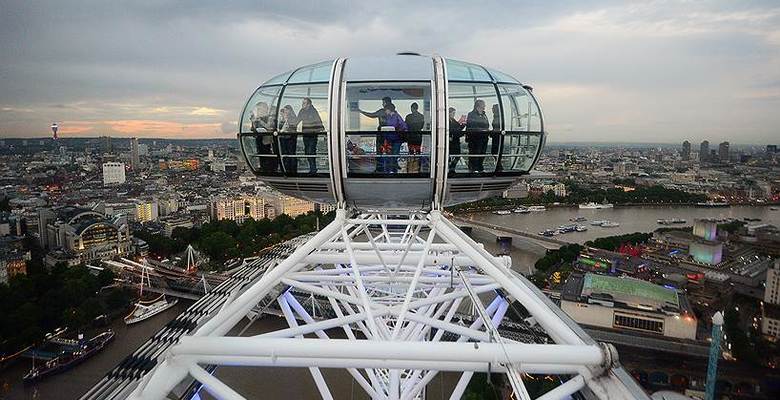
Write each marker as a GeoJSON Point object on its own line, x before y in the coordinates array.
{"type": "Point", "coordinates": [413, 295]}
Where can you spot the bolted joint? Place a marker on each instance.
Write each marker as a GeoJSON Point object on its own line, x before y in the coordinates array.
{"type": "Point", "coordinates": [611, 358]}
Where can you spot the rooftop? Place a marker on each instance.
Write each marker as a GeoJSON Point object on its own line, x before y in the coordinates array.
{"type": "Point", "coordinates": [630, 290]}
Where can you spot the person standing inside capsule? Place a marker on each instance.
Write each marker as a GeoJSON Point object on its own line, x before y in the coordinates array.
{"type": "Point", "coordinates": [311, 124]}
{"type": "Point", "coordinates": [263, 125]}
{"type": "Point", "coordinates": [495, 135]}
{"type": "Point", "coordinates": [391, 143]}
{"type": "Point", "coordinates": [456, 132]}
{"type": "Point", "coordinates": [288, 139]}
{"type": "Point", "coordinates": [380, 116]}
{"type": "Point", "coordinates": [415, 121]}
{"type": "Point", "coordinates": [477, 126]}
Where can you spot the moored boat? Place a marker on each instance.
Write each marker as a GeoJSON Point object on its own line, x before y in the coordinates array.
{"type": "Point", "coordinates": [69, 359]}
{"type": "Point", "coordinates": [712, 204]}
{"type": "Point", "coordinates": [595, 206]}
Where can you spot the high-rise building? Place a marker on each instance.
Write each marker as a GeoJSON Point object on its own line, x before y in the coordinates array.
{"type": "Point", "coordinates": [106, 142]}
{"type": "Point", "coordinates": [686, 150]}
{"type": "Point", "coordinates": [771, 149]}
{"type": "Point", "coordinates": [113, 173]}
{"type": "Point", "coordinates": [704, 151]}
{"type": "Point", "coordinates": [135, 160]}
{"type": "Point", "coordinates": [723, 152]}
{"type": "Point", "coordinates": [143, 149]}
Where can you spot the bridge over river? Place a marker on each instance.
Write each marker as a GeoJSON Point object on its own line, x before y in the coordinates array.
{"type": "Point", "coordinates": [498, 230]}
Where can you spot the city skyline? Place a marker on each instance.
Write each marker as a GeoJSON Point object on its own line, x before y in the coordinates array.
{"type": "Point", "coordinates": [675, 71]}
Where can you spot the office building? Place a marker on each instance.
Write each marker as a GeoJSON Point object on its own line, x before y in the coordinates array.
{"type": "Point", "coordinates": [238, 209]}
{"type": "Point", "coordinates": [704, 151]}
{"type": "Point", "coordinates": [770, 318]}
{"type": "Point", "coordinates": [106, 144]}
{"type": "Point", "coordinates": [171, 223]}
{"type": "Point", "coordinates": [686, 151]}
{"type": "Point", "coordinates": [135, 159]}
{"type": "Point", "coordinates": [146, 210]}
{"type": "Point", "coordinates": [113, 173]}
{"type": "Point", "coordinates": [723, 152]}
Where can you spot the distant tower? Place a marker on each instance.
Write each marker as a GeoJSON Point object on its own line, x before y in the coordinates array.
{"type": "Point", "coordinates": [54, 129]}
{"type": "Point", "coordinates": [712, 365]}
{"type": "Point", "coordinates": [686, 150]}
{"type": "Point", "coordinates": [704, 151]}
{"type": "Point", "coordinates": [107, 145]}
{"type": "Point", "coordinates": [135, 161]}
{"type": "Point", "coordinates": [723, 152]}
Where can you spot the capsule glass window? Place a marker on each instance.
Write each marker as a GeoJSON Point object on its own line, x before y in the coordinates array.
{"type": "Point", "coordinates": [474, 128]}
{"type": "Point", "coordinates": [388, 129]}
{"type": "Point", "coordinates": [258, 126]}
{"type": "Point", "coordinates": [302, 129]}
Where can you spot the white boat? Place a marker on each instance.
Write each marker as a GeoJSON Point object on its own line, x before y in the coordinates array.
{"type": "Point", "coordinates": [595, 206]}
{"type": "Point", "coordinates": [597, 222]}
{"type": "Point", "coordinates": [712, 204]}
{"type": "Point", "coordinates": [521, 210]}
{"type": "Point", "coordinates": [537, 208]}
{"type": "Point", "coordinates": [145, 309]}
{"type": "Point", "coordinates": [610, 224]}
{"type": "Point", "coordinates": [502, 212]}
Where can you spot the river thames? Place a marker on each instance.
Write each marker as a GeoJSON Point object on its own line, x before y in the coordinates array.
{"type": "Point", "coordinates": [631, 219]}
{"type": "Point", "coordinates": [289, 383]}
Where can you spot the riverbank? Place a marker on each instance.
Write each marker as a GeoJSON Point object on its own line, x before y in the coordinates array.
{"type": "Point", "coordinates": [511, 206]}
{"type": "Point", "coordinates": [630, 219]}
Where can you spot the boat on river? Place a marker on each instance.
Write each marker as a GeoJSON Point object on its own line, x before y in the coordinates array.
{"type": "Point", "coordinates": [712, 204]}
{"type": "Point", "coordinates": [595, 206]}
{"type": "Point", "coordinates": [73, 353]}
{"type": "Point", "coordinates": [145, 309]}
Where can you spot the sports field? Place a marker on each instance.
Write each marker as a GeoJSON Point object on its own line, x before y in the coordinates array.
{"type": "Point", "coordinates": [622, 287]}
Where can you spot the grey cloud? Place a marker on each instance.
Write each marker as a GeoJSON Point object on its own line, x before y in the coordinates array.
{"type": "Point", "coordinates": [93, 56]}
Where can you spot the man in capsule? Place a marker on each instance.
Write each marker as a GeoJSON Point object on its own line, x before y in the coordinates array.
{"type": "Point", "coordinates": [415, 121]}
{"type": "Point", "coordinates": [381, 117]}
{"type": "Point", "coordinates": [311, 124]}
{"type": "Point", "coordinates": [477, 127]}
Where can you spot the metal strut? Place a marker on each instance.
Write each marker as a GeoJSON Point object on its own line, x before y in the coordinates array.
{"type": "Point", "coordinates": [388, 282]}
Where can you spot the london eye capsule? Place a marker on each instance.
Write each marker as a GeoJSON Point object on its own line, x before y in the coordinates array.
{"type": "Point", "coordinates": [395, 132]}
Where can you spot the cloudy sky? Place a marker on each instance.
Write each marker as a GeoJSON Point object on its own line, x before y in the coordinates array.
{"type": "Point", "coordinates": [659, 71]}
